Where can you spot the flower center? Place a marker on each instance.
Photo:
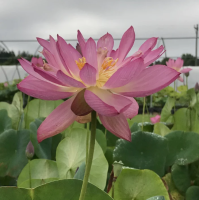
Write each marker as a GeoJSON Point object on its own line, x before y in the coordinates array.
{"type": "Point", "coordinates": [106, 71]}
{"type": "Point", "coordinates": [81, 62]}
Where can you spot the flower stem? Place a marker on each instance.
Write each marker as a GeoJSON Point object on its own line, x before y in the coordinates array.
{"type": "Point", "coordinates": [26, 119]}
{"type": "Point", "coordinates": [143, 113]}
{"type": "Point", "coordinates": [87, 140]}
{"type": "Point", "coordinates": [29, 173]}
{"type": "Point", "coordinates": [187, 82]}
{"type": "Point", "coordinates": [90, 156]}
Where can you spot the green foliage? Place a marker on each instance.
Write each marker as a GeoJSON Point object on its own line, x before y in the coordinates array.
{"type": "Point", "coordinates": [141, 152]}
{"type": "Point", "coordinates": [166, 111]}
{"type": "Point", "coordinates": [161, 129]}
{"type": "Point", "coordinates": [5, 121]}
{"type": "Point", "coordinates": [13, 113]}
{"type": "Point", "coordinates": [101, 139]}
{"type": "Point", "coordinates": [42, 171]}
{"type": "Point", "coordinates": [139, 185]}
{"type": "Point", "coordinates": [180, 177]}
{"type": "Point", "coordinates": [71, 153]}
{"type": "Point", "coordinates": [192, 193]}
{"type": "Point", "coordinates": [173, 192]}
{"type": "Point", "coordinates": [183, 147]}
{"type": "Point", "coordinates": [12, 147]}
{"type": "Point", "coordinates": [39, 108]}
{"type": "Point", "coordinates": [59, 190]}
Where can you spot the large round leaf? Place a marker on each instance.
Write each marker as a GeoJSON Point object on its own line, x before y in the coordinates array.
{"type": "Point", "coordinates": [39, 108]}
{"type": "Point", "coordinates": [166, 111]}
{"type": "Point", "coordinates": [13, 193]}
{"type": "Point", "coordinates": [145, 151]}
{"type": "Point", "coordinates": [18, 101]}
{"type": "Point", "coordinates": [161, 129]}
{"type": "Point", "coordinates": [101, 139]}
{"type": "Point", "coordinates": [59, 190]}
{"type": "Point", "coordinates": [180, 177]}
{"type": "Point", "coordinates": [5, 121]}
{"type": "Point", "coordinates": [71, 153]}
{"type": "Point", "coordinates": [139, 185]}
{"type": "Point", "coordinates": [12, 152]}
{"type": "Point", "coordinates": [13, 113]}
{"type": "Point", "coordinates": [41, 170]}
{"type": "Point", "coordinates": [181, 119]}
{"type": "Point", "coordinates": [43, 149]}
{"type": "Point", "coordinates": [192, 193]}
{"type": "Point", "coordinates": [183, 147]}
{"type": "Point", "coordinates": [174, 193]}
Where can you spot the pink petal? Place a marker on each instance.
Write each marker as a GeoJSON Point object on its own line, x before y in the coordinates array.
{"type": "Point", "coordinates": [179, 63]}
{"type": "Point", "coordinates": [67, 80]}
{"type": "Point", "coordinates": [155, 119]}
{"type": "Point", "coordinates": [44, 43]}
{"type": "Point", "coordinates": [170, 63]}
{"type": "Point", "coordinates": [185, 70]}
{"type": "Point", "coordinates": [117, 125]}
{"type": "Point", "coordinates": [106, 41]}
{"type": "Point", "coordinates": [81, 41]}
{"type": "Point", "coordinates": [69, 55]}
{"type": "Point", "coordinates": [114, 54]}
{"type": "Point", "coordinates": [90, 53]}
{"type": "Point", "coordinates": [101, 55]}
{"type": "Point", "coordinates": [149, 81]}
{"type": "Point", "coordinates": [153, 55]}
{"type": "Point", "coordinates": [37, 61]}
{"type": "Point", "coordinates": [132, 111]}
{"type": "Point", "coordinates": [88, 74]}
{"type": "Point", "coordinates": [47, 76]}
{"type": "Point", "coordinates": [27, 66]}
{"type": "Point", "coordinates": [53, 55]}
{"type": "Point", "coordinates": [42, 89]}
{"type": "Point", "coordinates": [126, 44]}
{"type": "Point", "coordinates": [125, 74]}
{"type": "Point", "coordinates": [105, 102]}
{"type": "Point", "coordinates": [148, 45]}
{"type": "Point", "coordinates": [80, 106]}
{"type": "Point", "coordinates": [180, 79]}
{"type": "Point", "coordinates": [61, 118]}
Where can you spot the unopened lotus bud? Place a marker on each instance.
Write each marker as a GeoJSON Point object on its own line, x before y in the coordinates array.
{"type": "Point", "coordinates": [186, 74]}
{"type": "Point", "coordinates": [117, 168]}
{"type": "Point", "coordinates": [196, 87]}
{"type": "Point", "coordinates": [30, 150]}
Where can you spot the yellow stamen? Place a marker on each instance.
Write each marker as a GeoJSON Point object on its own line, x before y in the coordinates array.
{"type": "Point", "coordinates": [81, 62]}
{"type": "Point", "coordinates": [109, 62]}
{"type": "Point", "coordinates": [107, 70]}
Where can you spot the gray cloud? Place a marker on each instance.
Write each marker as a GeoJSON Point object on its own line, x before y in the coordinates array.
{"type": "Point", "coordinates": [26, 19]}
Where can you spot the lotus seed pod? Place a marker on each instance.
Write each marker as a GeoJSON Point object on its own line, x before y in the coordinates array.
{"type": "Point", "coordinates": [186, 74]}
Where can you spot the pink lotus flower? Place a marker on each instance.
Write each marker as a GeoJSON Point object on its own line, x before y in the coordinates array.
{"type": "Point", "coordinates": [177, 65]}
{"type": "Point", "coordinates": [96, 77]}
{"type": "Point", "coordinates": [5, 84]}
{"type": "Point", "coordinates": [155, 119]}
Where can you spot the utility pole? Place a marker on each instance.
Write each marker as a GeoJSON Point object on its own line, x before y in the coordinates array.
{"type": "Point", "coordinates": [196, 28]}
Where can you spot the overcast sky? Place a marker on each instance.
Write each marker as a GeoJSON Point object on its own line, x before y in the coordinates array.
{"type": "Point", "coordinates": [28, 19]}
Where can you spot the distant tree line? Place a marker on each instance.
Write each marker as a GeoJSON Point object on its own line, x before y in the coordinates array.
{"type": "Point", "coordinates": [10, 58]}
